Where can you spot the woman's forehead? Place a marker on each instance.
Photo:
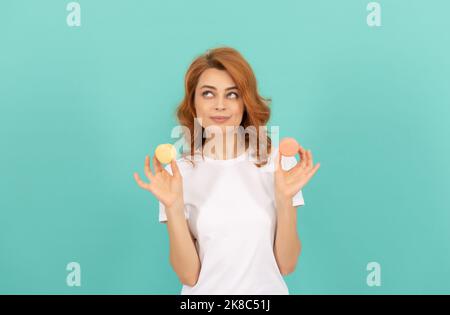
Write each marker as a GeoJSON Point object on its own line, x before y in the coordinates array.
{"type": "Point", "coordinates": [219, 79]}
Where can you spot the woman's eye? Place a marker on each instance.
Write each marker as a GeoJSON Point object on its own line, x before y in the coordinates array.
{"type": "Point", "coordinates": [235, 94]}
{"type": "Point", "coordinates": [232, 95]}
{"type": "Point", "coordinates": [206, 92]}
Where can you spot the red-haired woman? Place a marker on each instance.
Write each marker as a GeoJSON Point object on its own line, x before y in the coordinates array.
{"type": "Point", "coordinates": [230, 201]}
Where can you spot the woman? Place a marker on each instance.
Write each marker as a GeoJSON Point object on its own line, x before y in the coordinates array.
{"type": "Point", "coordinates": [230, 202]}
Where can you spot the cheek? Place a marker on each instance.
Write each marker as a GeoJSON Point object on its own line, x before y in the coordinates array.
{"type": "Point", "coordinates": [238, 109]}
{"type": "Point", "coordinates": [200, 106]}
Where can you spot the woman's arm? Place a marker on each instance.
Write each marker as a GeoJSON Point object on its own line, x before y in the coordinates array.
{"type": "Point", "coordinates": [287, 245]}
{"type": "Point", "coordinates": [168, 188]}
{"type": "Point", "coordinates": [183, 253]}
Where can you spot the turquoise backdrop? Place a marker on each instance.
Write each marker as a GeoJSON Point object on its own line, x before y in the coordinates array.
{"type": "Point", "coordinates": [82, 106]}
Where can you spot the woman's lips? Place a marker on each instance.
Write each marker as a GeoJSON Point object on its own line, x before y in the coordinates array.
{"type": "Point", "coordinates": [220, 119]}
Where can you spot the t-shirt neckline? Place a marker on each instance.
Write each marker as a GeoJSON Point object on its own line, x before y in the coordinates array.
{"type": "Point", "coordinates": [240, 158]}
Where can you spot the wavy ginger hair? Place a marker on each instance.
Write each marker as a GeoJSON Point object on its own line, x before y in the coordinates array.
{"type": "Point", "coordinates": [256, 108]}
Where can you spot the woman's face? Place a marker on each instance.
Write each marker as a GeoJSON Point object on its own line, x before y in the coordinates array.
{"type": "Point", "coordinates": [218, 102]}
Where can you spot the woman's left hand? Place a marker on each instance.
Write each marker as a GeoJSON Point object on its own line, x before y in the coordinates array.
{"type": "Point", "coordinates": [288, 183]}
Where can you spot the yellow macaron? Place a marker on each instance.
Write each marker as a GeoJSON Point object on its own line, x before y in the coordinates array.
{"type": "Point", "coordinates": [165, 153]}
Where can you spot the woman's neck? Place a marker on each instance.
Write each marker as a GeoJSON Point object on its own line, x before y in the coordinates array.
{"type": "Point", "coordinates": [223, 148]}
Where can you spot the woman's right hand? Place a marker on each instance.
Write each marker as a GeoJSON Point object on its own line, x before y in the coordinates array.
{"type": "Point", "coordinates": [166, 187]}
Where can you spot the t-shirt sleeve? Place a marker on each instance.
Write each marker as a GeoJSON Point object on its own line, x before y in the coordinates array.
{"type": "Point", "coordinates": [162, 208]}
{"type": "Point", "coordinates": [288, 162]}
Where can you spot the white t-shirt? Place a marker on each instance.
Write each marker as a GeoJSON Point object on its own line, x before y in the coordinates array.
{"type": "Point", "coordinates": [230, 208]}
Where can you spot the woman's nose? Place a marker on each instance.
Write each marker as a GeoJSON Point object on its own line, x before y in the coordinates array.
{"type": "Point", "coordinates": [220, 104]}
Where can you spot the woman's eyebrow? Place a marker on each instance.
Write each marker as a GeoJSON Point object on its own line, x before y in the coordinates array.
{"type": "Point", "coordinates": [212, 87]}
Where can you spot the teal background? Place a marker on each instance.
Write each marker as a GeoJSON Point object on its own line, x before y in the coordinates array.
{"type": "Point", "coordinates": [81, 107]}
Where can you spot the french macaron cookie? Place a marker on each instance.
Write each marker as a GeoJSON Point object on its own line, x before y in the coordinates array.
{"type": "Point", "coordinates": [289, 147]}
{"type": "Point", "coordinates": [165, 153]}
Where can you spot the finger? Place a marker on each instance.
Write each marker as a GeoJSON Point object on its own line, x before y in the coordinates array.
{"type": "Point", "coordinates": [148, 171]}
{"type": "Point", "coordinates": [309, 162]}
{"type": "Point", "coordinates": [157, 165]}
{"type": "Point", "coordinates": [314, 170]}
{"type": "Point", "coordinates": [297, 170]}
{"type": "Point", "coordinates": [303, 157]}
{"type": "Point", "coordinates": [140, 182]}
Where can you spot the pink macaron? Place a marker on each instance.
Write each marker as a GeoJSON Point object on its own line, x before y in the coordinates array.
{"type": "Point", "coordinates": [289, 147]}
